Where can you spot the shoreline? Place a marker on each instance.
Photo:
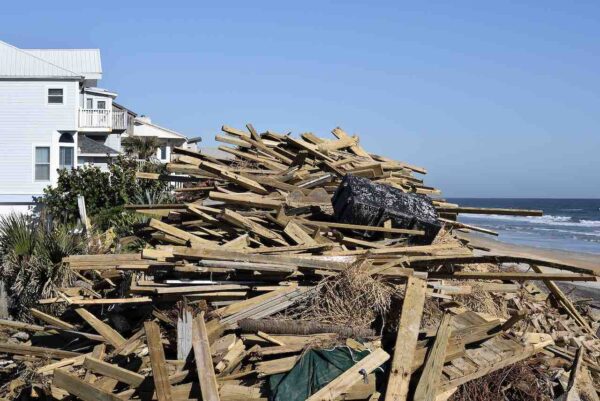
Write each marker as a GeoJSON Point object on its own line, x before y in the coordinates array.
{"type": "Point", "coordinates": [583, 260]}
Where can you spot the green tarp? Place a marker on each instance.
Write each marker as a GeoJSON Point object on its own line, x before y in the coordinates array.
{"type": "Point", "coordinates": [314, 370]}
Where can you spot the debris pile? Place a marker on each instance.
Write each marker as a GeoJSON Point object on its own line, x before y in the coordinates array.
{"type": "Point", "coordinates": [305, 269]}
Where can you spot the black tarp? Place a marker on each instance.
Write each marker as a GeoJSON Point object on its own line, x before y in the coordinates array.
{"type": "Point", "coordinates": [358, 200]}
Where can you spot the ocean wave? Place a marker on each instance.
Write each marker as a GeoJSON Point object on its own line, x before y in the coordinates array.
{"type": "Point", "coordinates": [547, 219]}
{"type": "Point", "coordinates": [570, 232]}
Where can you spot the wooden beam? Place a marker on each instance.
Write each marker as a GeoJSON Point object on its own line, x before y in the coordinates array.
{"type": "Point", "coordinates": [428, 383]}
{"type": "Point", "coordinates": [483, 210]}
{"type": "Point", "coordinates": [111, 335]}
{"type": "Point", "coordinates": [81, 389]}
{"type": "Point", "coordinates": [204, 362]}
{"type": "Point", "coordinates": [425, 261]}
{"type": "Point", "coordinates": [110, 370]}
{"type": "Point", "coordinates": [406, 340]}
{"type": "Point", "coordinates": [517, 276]}
{"type": "Point", "coordinates": [51, 320]}
{"type": "Point", "coordinates": [564, 300]}
{"type": "Point", "coordinates": [158, 362]}
{"type": "Point", "coordinates": [327, 224]}
{"type": "Point", "coordinates": [179, 233]}
{"type": "Point", "coordinates": [20, 349]}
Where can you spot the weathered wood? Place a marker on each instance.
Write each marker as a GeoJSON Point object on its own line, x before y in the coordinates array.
{"type": "Point", "coordinates": [406, 340]}
{"type": "Point", "coordinates": [77, 387]}
{"type": "Point", "coordinates": [108, 369]}
{"type": "Point", "coordinates": [21, 349]}
{"type": "Point", "coordinates": [430, 377]}
{"type": "Point", "coordinates": [483, 210]}
{"type": "Point", "coordinates": [327, 224]}
{"type": "Point", "coordinates": [204, 364]}
{"type": "Point", "coordinates": [564, 300]}
{"type": "Point", "coordinates": [158, 362]}
{"type": "Point", "coordinates": [517, 276]}
{"type": "Point", "coordinates": [111, 335]}
{"type": "Point", "coordinates": [179, 233]}
{"type": "Point", "coordinates": [51, 320]}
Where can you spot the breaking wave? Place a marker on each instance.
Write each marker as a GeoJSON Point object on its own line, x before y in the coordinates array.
{"type": "Point", "coordinates": [547, 220]}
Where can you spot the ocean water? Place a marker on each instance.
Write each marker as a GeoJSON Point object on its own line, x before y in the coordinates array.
{"type": "Point", "coordinates": [567, 224]}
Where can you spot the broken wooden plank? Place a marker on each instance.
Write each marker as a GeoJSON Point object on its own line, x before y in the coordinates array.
{"type": "Point", "coordinates": [111, 335]}
{"type": "Point", "coordinates": [204, 362]}
{"type": "Point", "coordinates": [77, 387]}
{"type": "Point", "coordinates": [158, 362]}
{"type": "Point", "coordinates": [406, 340]}
{"type": "Point", "coordinates": [430, 377]}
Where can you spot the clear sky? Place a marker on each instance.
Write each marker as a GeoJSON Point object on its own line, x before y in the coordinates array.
{"type": "Point", "coordinates": [495, 99]}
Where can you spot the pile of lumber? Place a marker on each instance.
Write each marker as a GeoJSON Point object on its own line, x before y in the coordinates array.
{"type": "Point", "coordinates": [214, 306]}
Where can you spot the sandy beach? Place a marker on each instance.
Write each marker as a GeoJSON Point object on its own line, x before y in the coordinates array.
{"type": "Point", "coordinates": [583, 260]}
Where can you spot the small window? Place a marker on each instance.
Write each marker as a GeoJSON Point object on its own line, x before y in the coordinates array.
{"type": "Point", "coordinates": [89, 103]}
{"type": "Point", "coordinates": [55, 96]}
{"type": "Point", "coordinates": [65, 138]}
{"type": "Point", "coordinates": [42, 163]}
{"type": "Point", "coordinates": [163, 152]}
{"type": "Point", "coordinates": [66, 157]}
{"type": "Point", "coordinates": [101, 104]}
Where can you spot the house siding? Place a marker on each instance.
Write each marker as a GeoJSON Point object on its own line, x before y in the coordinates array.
{"type": "Point", "coordinates": [26, 121]}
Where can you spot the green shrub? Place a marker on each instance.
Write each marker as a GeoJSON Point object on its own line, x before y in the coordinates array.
{"type": "Point", "coordinates": [105, 192]}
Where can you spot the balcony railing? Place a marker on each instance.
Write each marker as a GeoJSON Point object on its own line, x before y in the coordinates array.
{"type": "Point", "coordinates": [102, 119]}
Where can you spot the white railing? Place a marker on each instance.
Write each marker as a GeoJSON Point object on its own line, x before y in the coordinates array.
{"type": "Point", "coordinates": [89, 118]}
{"type": "Point", "coordinates": [119, 119]}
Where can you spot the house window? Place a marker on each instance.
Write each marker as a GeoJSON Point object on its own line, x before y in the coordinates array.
{"type": "Point", "coordinates": [163, 152]}
{"type": "Point", "coordinates": [101, 104]}
{"type": "Point", "coordinates": [55, 96]}
{"type": "Point", "coordinates": [66, 157]}
{"type": "Point", "coordinates": [89, 103]}
{"type": "Point", "coordinates": [66, 153]}
{"type": "Point", "coordinates": [42, 163]}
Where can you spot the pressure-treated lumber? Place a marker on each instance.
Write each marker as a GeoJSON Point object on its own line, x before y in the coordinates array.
{"type": "Point", "coordinates": [81, 389]}
{"type": "Point", "coordinates": [517, 276]}
{"type": "Point", "coordinates": [158, 362]}
{"type": "Point", "coordinates": [483, 210]}
{"type": "Point", "coordinates": [425, 261]}
{"type": "Point", "coordinates": [111, 335]}
{"type": "Point", "coordinates": [564, 300]}
{"type": "Point", "coordinates": [406, 340]}
{"type": "Point", "coordinates": [428, 382]}
{"type": "Point", "coordinates": [204, 363]}
{"type": "Point", "coordinates": [108, 369]}
{"type": "Point", "coordinates": [51, 320]}
{"type": "Point", "coordinates": [20, 349]}
{"type": "Point", "coordinates": [327, 224]}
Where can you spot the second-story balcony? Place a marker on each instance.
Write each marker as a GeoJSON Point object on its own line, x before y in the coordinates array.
{"type": "Point", "coordinates": [102, 120]}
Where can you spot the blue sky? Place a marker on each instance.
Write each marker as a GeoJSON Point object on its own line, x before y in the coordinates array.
{"type": "Point", "coordinates": [495, 99]}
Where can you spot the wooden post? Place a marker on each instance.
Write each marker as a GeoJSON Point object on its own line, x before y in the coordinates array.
{"type": "Point", "coordinates": [184, 331]}
{"type": "Point", "coordinates": [158, 362]}
{"type": "Point", "coordinates": [204, 362]}
{"type": "Point", "coordinates": [428, 383]}
{"type": "Point", "coordinates": [406, 340]}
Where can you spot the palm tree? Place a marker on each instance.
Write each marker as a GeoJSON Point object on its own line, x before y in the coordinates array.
{"type": "Point", "coordinates": [144, 147]}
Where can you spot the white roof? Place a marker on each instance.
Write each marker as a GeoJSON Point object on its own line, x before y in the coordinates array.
{"type": "Point", "coordinates": [17, 63]}
{"type": "Point", "coordinates": [100, 91]}
{"type": "Point", "coordinates": [85, 62]}
{"type": "Point", "coordinates": [142, 127]}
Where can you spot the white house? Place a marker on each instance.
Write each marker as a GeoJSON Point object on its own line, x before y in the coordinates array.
{"type": "Point", "coordinates": [53, 115]}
